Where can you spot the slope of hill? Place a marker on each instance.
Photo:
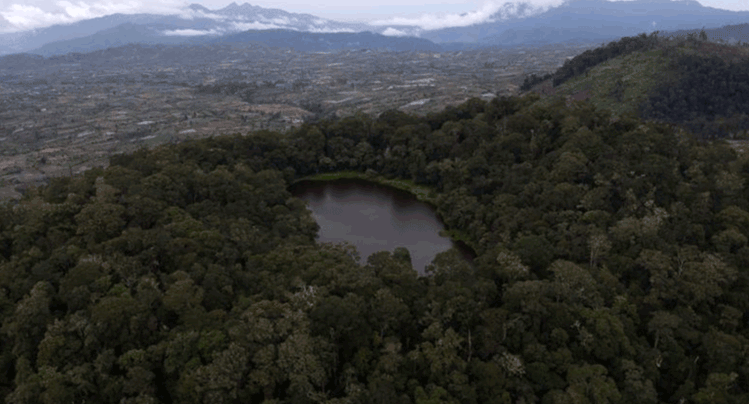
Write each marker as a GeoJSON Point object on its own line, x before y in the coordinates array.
{"type": "Point", "coordinates": [620, 84]}
{"type": "Point", "coordinates": [693, 82]}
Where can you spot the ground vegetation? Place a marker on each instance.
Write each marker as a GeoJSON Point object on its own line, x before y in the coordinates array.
{"type": "Point", "coordinates": [611, 268]}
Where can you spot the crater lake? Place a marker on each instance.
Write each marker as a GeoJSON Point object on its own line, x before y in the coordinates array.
{"type": "Point", "coordinates": [374, 217]}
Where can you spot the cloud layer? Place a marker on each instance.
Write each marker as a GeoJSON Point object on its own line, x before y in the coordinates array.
{"type": "Point", "coordinates": [490, 11]}
{"type": "Point", "coordinates": [390, 31]}
{"type": "Point", "coordinates": [22, 15]}
{"type": "Point", "coordinates": [191, 32]}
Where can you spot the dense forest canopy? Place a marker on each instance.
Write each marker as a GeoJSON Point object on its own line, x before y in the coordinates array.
{"type": "Point", "coordinates": [611, 268]}
{"type": "Point", "coordinates": [707, 93]}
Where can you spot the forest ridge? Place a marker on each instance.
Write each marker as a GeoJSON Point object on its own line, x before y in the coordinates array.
{"type": "Point", "coordinates": [611, 268]}
{"type": "Point", "coordinates": [695, 79]}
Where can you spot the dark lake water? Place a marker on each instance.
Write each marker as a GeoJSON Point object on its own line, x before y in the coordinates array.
{"type": "Point", "coordinates": [374, 218]}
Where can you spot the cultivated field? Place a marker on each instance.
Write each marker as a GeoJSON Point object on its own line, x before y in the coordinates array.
{"type": "Point", "coordinates": [63, 115]}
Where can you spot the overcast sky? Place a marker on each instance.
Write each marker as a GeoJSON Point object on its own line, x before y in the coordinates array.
{"type": "Point", "coordinates": [17, 15]}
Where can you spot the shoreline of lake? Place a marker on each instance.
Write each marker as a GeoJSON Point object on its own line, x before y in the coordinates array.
{"type": "Point", "coordinates": [376, 216]}
{"type": "Point", "coordinates": [422, 193]}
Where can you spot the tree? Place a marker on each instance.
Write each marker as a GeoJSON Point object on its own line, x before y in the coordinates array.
{"type": "Point", "coordinates": [590, 384]}
{"type": "Point", "coordinates": [440, 354]}
{"type": "Point", "coordinates": [100, 221]}
{"type": "Point", "coordinates": [717, 389]}
{"type": "Point", "coordinates": [662, 326]}
{"type": "Point", "coordinates": [574, 284]}
{"type": "Point", "coordinates": [29, 321]}
{"type": "Point", "coordinates": [705, 280]}
{"type": "Point", "coordinates": [599, 246]}
{"type": "Point", "coordinates": [185, 299]}
{"type": "Point", "coordinates": [222, 380]}
{"type": "Point", "coordinates": [637, 388]}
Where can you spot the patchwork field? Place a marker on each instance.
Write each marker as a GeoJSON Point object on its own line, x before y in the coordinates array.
{"type": "Point", "coordinates": [63, 115]}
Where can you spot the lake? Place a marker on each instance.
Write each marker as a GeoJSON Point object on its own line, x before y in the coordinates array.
{"type": "Point", "coordinates": [374, 218]}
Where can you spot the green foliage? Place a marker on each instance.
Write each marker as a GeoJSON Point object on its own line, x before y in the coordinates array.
{"type": "Point", "coordinates": [580, 63]}
{"type": "Point", "coordinates": [532, 80]}
{"type": "Point", "coordinates": [610, 268]}
{"type": "Point", "coordinates": [708, 94]}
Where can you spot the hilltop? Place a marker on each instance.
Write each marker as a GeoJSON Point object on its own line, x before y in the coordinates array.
{"type": "Point", "coordinates": [694, 79]}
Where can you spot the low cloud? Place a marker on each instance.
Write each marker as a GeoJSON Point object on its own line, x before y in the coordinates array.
{"type": "Point", "coordinates": [281, 20]}
{"type": "Point", "coordinates": [191, 32]}
{"type": "Point", "coordinates": [328, 30]}
{"type": "Point", "coordinates": [190, 14]}
{"type": "Point", "coordinates": [22, 17]}
{"type": "Point", "coordinates": [246, 26]}
{"type": "Point", "coordinates": [489, 12]}
{"type": "Point", "coordinates": [394, 32]}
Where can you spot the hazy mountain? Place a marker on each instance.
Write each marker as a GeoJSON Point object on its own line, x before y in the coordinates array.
{"type": "Point", "coordinates": [249, 14]}
{"type": "Point", "coordinates": [123, 34]}
{"type": "Point", "coordinates": [302, 41]}
{"type": "Point", "coordinates": [311, 42]}
{"type": "Point", "coordinates": [592, 20]}
{"type": "Point", "coordinates": [195, 21]}
{"type": "Point", "coordinates": [28, 40]}
{"type": "Point", "coordinates": [729, 33]}
{"type": "Point", "coordinates": [514, 24]}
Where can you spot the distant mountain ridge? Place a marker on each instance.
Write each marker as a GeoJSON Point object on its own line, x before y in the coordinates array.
{"type": "Point", "coordinates": [195, 21]}
{"type": "Point", "coordinates": [312, 42]}
{"type": "Point", "coordinates": [126, 34]}
{"type": "Point", "coordinates": [517, 23]}
{"type": "Point", "coordinates": [593, 19]}
{"type": "Point", "coordinates": [729, 34]}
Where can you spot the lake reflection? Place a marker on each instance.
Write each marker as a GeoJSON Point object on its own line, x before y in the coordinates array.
{"type": "Point", "coordinates": [374, 218]}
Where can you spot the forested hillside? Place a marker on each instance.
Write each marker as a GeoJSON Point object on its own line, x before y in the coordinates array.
{"type": "Point", "coordinates": [611, 268]}
{"type": "Point", "coordinates": [709, 92]}
{"type": "Point", "coordinates": [581, 63]}
{"type": "Point", "coordinates": [686, 80]}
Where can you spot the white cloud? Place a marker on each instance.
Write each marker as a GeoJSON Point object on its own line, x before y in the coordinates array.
{"type": "Point", "coordinates": [394, 32]}
{"type": "Point", "coordinates": [191, 32]}
{"type": "Point", "coordinates": [201, 14]}
{"type": "Point", "coordinates": [24, 17]}
{"type": "Point", "coordinates": [490, 11]}
{"type": "Point", "coordinates": [78, 11]}
{"type": "Point", "coordinates": [328, 30]}
{"type": "Point", "coordinates": [244, 26]}
{"type": "Point", "coordinates": [20, 15]}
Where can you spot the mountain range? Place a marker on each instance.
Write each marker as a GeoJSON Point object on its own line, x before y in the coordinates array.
{"type": "Point", "coordinates": [592, 20]}
{"type": "Point", "coordinates": [515, 24]}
